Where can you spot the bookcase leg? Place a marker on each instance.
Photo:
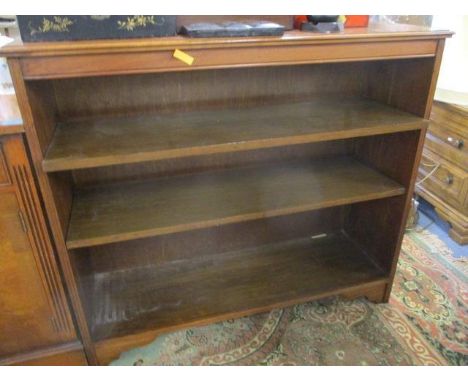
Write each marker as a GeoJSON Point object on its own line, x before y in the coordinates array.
{"type": "Point", "coordinates": [375, 294]}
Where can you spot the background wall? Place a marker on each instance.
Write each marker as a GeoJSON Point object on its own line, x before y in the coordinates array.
{"type": "Point", "coordinates": [452, 85]}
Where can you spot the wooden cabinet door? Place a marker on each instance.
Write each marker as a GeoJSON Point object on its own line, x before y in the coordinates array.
{"type": "Point", "coordinates": [25, 319]}
{"type": "Point", "coordinates": [33, 309]}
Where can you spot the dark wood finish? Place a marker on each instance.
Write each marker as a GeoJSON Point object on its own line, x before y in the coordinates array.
{"type": "Point", "coordinates": [158, 250]}
{"type": "Point", "coordinates": [199, 201]}
{"type": "Point", "coordinates": [379, 227]}
{"type": "Point", "coordinates": [191, 291]}
{"type": "Point", "coordinates": [204, 163]}
{"type": "Point", "coordinates": [163, 93]}
{"type": "Point", "coordinates": [190, 246]}
{"type": "Point", "coordinates": [109, 141]}
{"type": "Point", "coordinates": [35, 311]}
{"type": "Point", "coordinates": [61, 85]}
{"type": "Point", "coordinates": [110, 349]}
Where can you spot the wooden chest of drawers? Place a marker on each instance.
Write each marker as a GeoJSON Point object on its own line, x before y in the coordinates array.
{"type": "Point", "coordinates": [446, 156]}
{"type": "Point", "coordinates": [36, 326]}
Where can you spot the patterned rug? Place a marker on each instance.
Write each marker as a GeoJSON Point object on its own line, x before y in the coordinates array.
{"type": "Point", "coordinates": [425, 323]}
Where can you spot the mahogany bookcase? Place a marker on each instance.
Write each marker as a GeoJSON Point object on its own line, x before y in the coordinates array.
{"type": "Point", "coordinates": [271, 171]}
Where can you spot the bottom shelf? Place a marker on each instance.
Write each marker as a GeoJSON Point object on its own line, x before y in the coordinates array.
{"type": "Point", "coordinates": [181, 292]}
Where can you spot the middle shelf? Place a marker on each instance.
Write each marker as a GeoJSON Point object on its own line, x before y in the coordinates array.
{"type": "Point", "coordinates": [107, 214]}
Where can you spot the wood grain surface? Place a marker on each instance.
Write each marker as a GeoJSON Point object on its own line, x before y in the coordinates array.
{"type": "Point", "coordinates": [108, 141]}
{"type": "Point", "coordinates": [134, 299]}
{"type": "Point", "coordinates": [135, 210]}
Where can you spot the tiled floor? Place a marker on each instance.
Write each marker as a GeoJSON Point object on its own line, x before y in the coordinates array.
{"type": "Point", "coordinates": [428, 219]}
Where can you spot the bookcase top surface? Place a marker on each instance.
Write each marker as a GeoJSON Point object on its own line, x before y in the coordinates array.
{"type": "Point", "coordinates": [375, 32]}
{"type": "Point", "coordinates": [10, 117]}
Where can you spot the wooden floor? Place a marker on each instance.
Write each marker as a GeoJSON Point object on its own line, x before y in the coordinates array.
{"type": "Point", "coordinates": [108, 141]}
{"type": "Point", "coordinates": [136, 299]}
{"type": "Point", "coordinates": [128, 211]}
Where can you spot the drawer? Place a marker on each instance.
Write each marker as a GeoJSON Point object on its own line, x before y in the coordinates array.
{"type": "Point", "coordinates": [448, 182]}
{"type": "Point", "coordinates": [449, 144]}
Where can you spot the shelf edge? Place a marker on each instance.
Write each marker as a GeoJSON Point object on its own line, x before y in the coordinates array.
{"type": "Point", "coordinates": [56, 165]}
{"type": "Point", "coordinates": [82, 243]}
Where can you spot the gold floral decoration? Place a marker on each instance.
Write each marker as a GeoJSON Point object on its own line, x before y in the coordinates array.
{"type": "Point", "coordinates": [58, 24]}
{"type": "Point", "coordinates": [133, 22]}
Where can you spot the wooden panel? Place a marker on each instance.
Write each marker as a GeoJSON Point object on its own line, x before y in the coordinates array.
{"type": "Point", "coordinates": [451, 117]}
{"type": "Point", "coordinates": [405, 84]}
{"type": "Point", "coordinates": [216, 58]}
{"type": "Point", "coordinates": [186, 245]}
{"type": "Point", "coordinates": [190, 246]}
{"type": "Point", "coordinates": [447, 188]}
{"type": "Point", "coordinates": [4, 175]}
{"type": "Point", "coordinates": [457, 220]}
{"type": "Point", "coordinates": [26, 318]}
{"type": "Point", "coordinates": [448, 133]}
{"type": "Point", "coordinates": [38, 234]}
{"type": "Point", "coordinates": [196, 164]}
{"type": "Point", "coordinates": [447, 181]}
{"type": "Point", "coordinates": [102, 142]}
{"type": "Point", "coordinates": [70, 354]}
{"type": "Point", "coordinates": [390, 154]}
{"type": "Point", "coordinates": [448, 144]}
{"type": "Point", "coordinates": [383, 231]}
{"type": "Point", "coordinates": [199, 90]}
{"type": "Point", "coordinates": [393, 155]}
{"type": "Point", "coordinates": [377, 33]}
{"type": "Point", "coordinates": [39, 123]}
{"type": "Point", "coordinates": [203, 200]}
{"type": "Point", "coordinates": [10, 117]}
{"type": "Point", "coordinates": [374, 226]}
{"type": "Point", "coordinates": [110, 349]}
{"type": "Point", "coordinates": [33, 299]}
{"type": "Point", "coordinates": [192, 291]}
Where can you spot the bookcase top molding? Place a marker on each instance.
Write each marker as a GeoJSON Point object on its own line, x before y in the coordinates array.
{"type": "Point", "coordinates": [375, 33]}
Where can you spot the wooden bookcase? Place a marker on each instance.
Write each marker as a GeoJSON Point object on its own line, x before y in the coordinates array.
{"type": "Point", "coordinates": [270, 172]}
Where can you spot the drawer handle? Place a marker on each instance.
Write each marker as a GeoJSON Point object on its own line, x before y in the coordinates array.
{"type": "Point", "coordinates": [457, 143]}
{"type": "Point", "coordinates": [449, 179]}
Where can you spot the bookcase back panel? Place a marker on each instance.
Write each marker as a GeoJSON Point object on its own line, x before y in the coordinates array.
{"type": "Point", "coordinates": [391, 154]}
{"type": "Point", "coordinates": [403, 83]}
{"type": "Point", "coordinates": [184, 91]}
{"type": "Point", "coordinates": [204, 242]}
{"type": "Point", "coordinates": [375, 225]}
{"type": "Point", "coordinates": [146, 170]}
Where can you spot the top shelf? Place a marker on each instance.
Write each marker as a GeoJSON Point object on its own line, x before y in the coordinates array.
{"type": "Point", "coordinates": [111, 141]}
{"type": "Point", "coordinates": [71, 59]}
{"type": "Point", "coordinates": [378, 31]}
